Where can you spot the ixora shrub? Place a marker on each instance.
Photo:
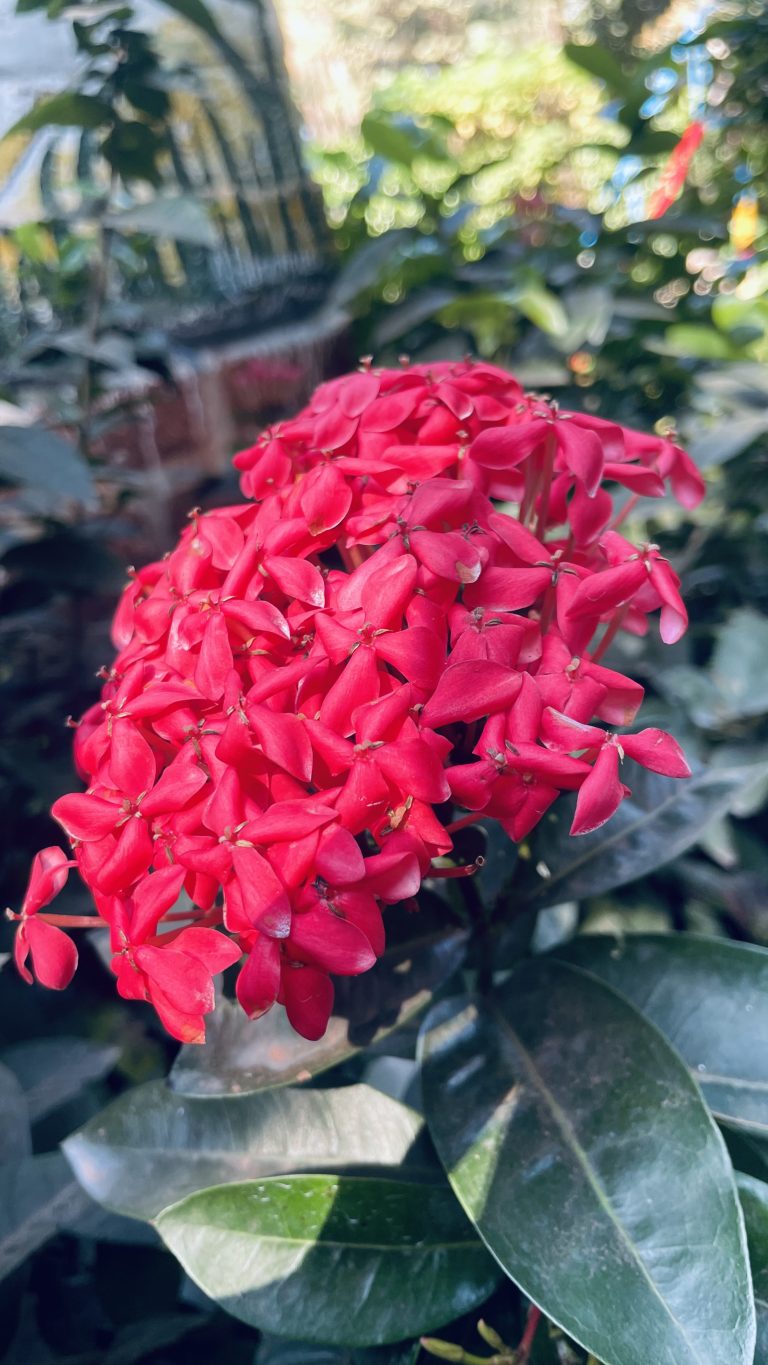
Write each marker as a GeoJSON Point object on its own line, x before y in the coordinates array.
{"type": "Point", "coordinates": [335, 711]}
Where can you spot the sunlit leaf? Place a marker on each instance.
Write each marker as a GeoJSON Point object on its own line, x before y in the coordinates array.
{"type": "Point", "coordinates": [402, 1258]}
{"type": "Point", "coordinates": [150, 1148]}
{"type": "Point", "coordinates": [579, 1145]}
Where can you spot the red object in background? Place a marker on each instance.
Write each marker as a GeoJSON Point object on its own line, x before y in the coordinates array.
{"type": "Point", "coordinates": [675, 173]}
{"type": "Point", "coordinates": [311, 675]}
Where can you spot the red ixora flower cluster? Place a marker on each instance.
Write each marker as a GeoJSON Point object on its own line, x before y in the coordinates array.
{"type": "Point", "coordinates": [399, 622]}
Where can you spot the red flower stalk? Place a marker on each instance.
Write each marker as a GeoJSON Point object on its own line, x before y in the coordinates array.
{"type": "Point", "coordinates": [312, 687]}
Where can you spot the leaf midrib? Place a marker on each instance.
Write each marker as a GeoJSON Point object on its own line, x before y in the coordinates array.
{"type": "Point", "coordinates": [737, 1082]}
{"type": "Point", "coordinates": [572, 1142]}
{"type": "Point", "coordinates": [321, 1243]}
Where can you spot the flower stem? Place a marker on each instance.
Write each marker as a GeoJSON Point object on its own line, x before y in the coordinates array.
{"type": "Point", "coordinates": [468, 870]}
{"type": "Point", "coordinates": [611, 632]}
{"type": "Point", "coordinates": [464, 822]}
{"type": "Point", "coordinates": [70, 921]}
{"type": "Point", "coordinates": [526, 1341]}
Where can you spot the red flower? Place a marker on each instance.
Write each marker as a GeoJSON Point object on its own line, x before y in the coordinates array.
{"type": "Point", "coordinates": [311, 680]}
{"type": "Point", "coordinates": [675, 172]}
{"type": "Point", "coordinates": [54, 955]}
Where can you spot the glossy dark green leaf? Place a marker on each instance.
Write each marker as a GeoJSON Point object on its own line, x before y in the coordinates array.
{"type": "Point", "coordinates": [54, 1070]}
{"type": "Point", "coordinates": [661, 819]}
{"type": "Point", "coordinates": [595, 59]}
{"type": "Point", "coordinates": [150, 1148]}
{"type": "Point", "coordinates": [38, 1195]}
{"type": "Point", "coordinates": [708, 996]}
{"type": "Point", "coordinates": [495, 879]}
{"type": "Point", "coordinates": [753, 1195]}
{"type": "Point", "coordinates": [15, 1140]}
{"type": "Point", "coordinates": [355, 1260]}
{"type": "Point", "coordinates": [738, 665]}
{"type": "Point", "coordinates": [579, 1145]}
{"type": "Point", "coordinates": [735, 684]}
{"type": "Point", "coordinates": [241, 1055]}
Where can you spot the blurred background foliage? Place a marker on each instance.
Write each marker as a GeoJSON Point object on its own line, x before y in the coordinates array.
{"type": "Point", "coordinates": [466, 178]}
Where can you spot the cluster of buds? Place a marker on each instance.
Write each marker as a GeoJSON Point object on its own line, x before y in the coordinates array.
{"type": "Point", "coordinates": [400, 632]}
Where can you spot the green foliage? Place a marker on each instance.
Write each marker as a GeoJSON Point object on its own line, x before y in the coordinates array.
{"type": "Point", "coordinates": [562, 1118]}
{"type": "Point", "coordinates": [148, 1150]}
{"type": "Point", "coordinates": [407, 1257]}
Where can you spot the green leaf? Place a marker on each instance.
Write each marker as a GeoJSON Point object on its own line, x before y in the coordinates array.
{"type": "Point", "coordinates": [540, 307]}
{"type": "Point", "coordinates": [735, 684]}
{"type": "Point", "coordinates": [132, 149]}
{"type": "Point", "coordinates": [67, 561]}
{"type": "Point", "coordinates": [661, 819]}
{"type": "Point", "coordinates": [48, 467]}
{"type": "Point", "coordinates": [197, 13]}
{"type": "Point", "coordinates": [37, 1196]}
{"type": "Point", "coordinates": [150, 1148]}
{"type": "Point", "coordinates": [423, 951]}
{"type": "Point", "coordinates": [15, 1140]}
{"type": "Point", "coordinates": [149, 99]}
{"type": "Point", "coordinates": [753, 1195]}
{"type": "Point", "coordinates": [54, 1070]}
{"type": "Point", "coordinates": [364, 268]}
{"type": "Point", "coordinates": [721, 443]}
{"type": "Point", "coordinates": [387, 140]}
{"type": "Point", "coordinates": [420, 307]}
{"type": "Point", "coordinates": [579, 1145]}
{"type": "Point", "coordinates": [274, 1351]}
{"type": "Point", "coordinates": [66, 110]}
{"type": "Point", "coordinates": [181, 218]}
{"type": "Point", "coordinates": [738, 665]}
{"type": "Point", "coordinates": [694, 341]}
{"type": "Point", "coordinates": [654, 142]}
{"type": "Point", "coordinates": [598, 62]}
{"type": "Point", "coordinates": [708, 996]}
{"type": "Point", "coordinates": [355, 1260]}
